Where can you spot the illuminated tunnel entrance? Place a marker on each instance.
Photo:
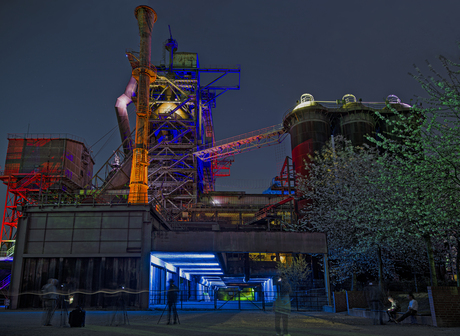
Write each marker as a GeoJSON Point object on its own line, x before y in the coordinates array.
{"type": "Point", "coordinates": [193, 273]}
{"type": "Point", "coordinates": [204, 279]}
{"type": "Point", "coordinates": [223, 270]}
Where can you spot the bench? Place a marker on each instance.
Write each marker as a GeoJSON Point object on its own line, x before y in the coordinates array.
{"type": "Point", "coordinates": [424, 318]}
{"type": "Point", "coordinates": [418, 319]}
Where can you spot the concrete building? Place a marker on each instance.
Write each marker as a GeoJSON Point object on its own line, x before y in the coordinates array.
{"type": "Point", "coordinates": [100, 249]}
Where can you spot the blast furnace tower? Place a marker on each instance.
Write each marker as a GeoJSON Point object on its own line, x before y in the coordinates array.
{"type": "Point", "coordinates": [174, 118]}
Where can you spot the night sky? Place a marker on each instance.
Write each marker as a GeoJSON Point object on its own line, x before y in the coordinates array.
{"type": "Point", "coordinates": [63, 63]}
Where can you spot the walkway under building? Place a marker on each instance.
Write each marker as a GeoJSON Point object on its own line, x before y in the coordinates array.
{"type": "Point", "coordinates": [104, 248]}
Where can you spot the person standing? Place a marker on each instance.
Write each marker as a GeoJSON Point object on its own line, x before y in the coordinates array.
{"type": "Point", "coordinates": [50, 297]}
{"type": "Point", "coordinates": [411, 310]}
{"type": "Point", "coordinates": [282, 306]}
{"type": "Point", "coordinates": [172, 300]}
{"type": "Point", "coordinates": [395, 307]}
{"type": "Point", "coordinates": [65, 301]}
{"type": "Point", "coordinates": [374, 299]}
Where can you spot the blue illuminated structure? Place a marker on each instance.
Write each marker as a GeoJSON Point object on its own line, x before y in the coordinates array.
{"type": "Point", "coordinates": [186, 264]}
{"type": "Point", "coordinates": [204, 272]}
{"type": "Point", "coordinates": [182, 99]}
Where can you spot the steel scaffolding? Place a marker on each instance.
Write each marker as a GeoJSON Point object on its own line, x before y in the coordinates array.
{"type": "Point", "coordinates": [180, 109]}
{"type": "Point", "coordinates": [181, 122]}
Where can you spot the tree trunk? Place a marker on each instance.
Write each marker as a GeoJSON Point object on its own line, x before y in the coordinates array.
{"type": "Point", "coordinates": [354, 281]}
{"type": "Point", "coordinates": [429, 251]}
{"type": "Point", "coordinates": [379, 257]}
{"type": "Point", "coordinates": [457, 262]}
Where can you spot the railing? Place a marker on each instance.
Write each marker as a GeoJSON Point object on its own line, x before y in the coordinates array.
{"type": "Point", "coordinates": [46, 136]}
{"type": "Point", "coordinates": [338, 105]}
{"type": "Point", "coordinates": [185, 298]}
{"type": "Point", "coordinates": [5, 282]}
{"type": "Point", "coordinates": [312, 301]}
{"type": "Point", "coordinates": [221, 66]}
{"type": "Point", "coordinates": [10, 251]}
{"type": "Point", "coordinates": [8, 254]}
{"type": "Point", "coordinates": [239, 300]}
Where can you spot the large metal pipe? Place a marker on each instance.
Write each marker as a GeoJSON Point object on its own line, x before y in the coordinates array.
{"type": "Point", "coordinates": [144, 74]}
{"type": "Point", "coordinates": [121, 108]}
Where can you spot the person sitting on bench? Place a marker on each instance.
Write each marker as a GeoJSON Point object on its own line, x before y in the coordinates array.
{"type": "Point", "coordinates": [411, 310]}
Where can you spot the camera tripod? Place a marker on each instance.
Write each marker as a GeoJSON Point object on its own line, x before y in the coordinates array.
{"type": "Point", "coordinates": [64, 318]}
{"type": "Point", "coordinates": [121, 308]}
{"type": "Point", "coordinates": [176, 316]}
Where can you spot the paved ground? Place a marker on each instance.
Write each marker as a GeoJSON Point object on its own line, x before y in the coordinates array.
{"type": "Point", "coordinates": [207, 323]}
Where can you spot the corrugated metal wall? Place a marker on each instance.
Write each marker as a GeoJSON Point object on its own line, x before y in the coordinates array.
{"type": "Point", "coordinates": [90, 277]}
{"type": "Point", "coordinates": [96, 248]}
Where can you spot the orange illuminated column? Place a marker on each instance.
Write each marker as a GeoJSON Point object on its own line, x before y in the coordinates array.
{"type": "Point", "coordinates": [144, 74]}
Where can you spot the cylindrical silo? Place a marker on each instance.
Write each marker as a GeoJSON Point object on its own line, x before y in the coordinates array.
{"type": "Point", "coordinates": [357, 121]}
{"type": "Point", "coordinates": [309, 126]}
{"type": "Point", "coordinates": [394, 111]}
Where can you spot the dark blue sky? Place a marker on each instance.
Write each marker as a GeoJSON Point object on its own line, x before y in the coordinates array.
{"type": "Point", "coordinates": [63, 63]}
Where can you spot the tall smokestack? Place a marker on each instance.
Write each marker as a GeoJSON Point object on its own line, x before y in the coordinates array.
{"type": "Point", "coordinates": [144, 74]}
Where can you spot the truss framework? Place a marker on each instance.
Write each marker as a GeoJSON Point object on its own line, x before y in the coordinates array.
{"type": "Point", "coordinates": [243, 143]}
{"type": "Point", "coordinates": [285, 181]}
{"type": "Point", "coordinates": [22, 189]}
{"type": "Point", "coordinates": [181, 120]}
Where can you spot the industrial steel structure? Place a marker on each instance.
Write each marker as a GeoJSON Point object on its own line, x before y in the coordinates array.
{"type": "Point", "coordinates": [310, 124]}
{"type": "Point", "coordinates": [144, 75]}
{"type": "Point", "coordinates": [41, 168]}
{"type": "Point", "coordinates": [151, 213]}
{"type": "Point", "coordinates": [174, 118]}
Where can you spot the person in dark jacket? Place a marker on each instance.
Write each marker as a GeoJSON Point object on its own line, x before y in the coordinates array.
{"type": "Point", "coordinates": [374, 297]}
{"type": "Point", "coordinates": [282, 306]}
{"type": "Point", "coordinates": [172, 300]}
{"type": "Point", "coordinates": [50, 297]}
